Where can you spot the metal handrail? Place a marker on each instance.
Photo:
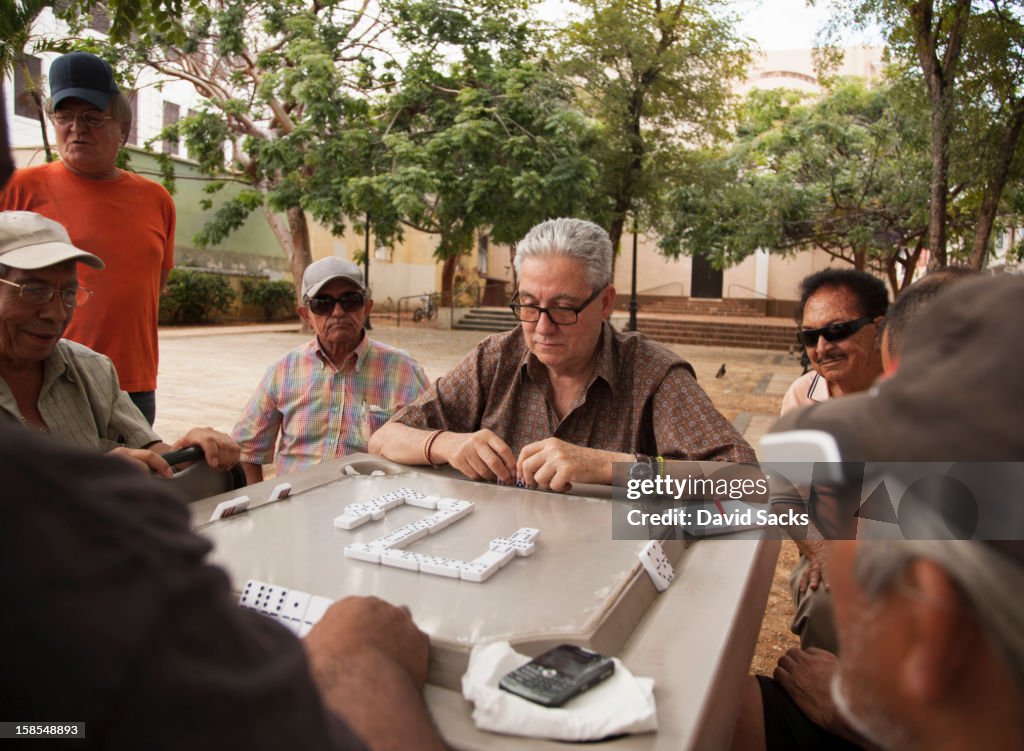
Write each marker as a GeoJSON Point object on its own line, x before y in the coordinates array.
{"type": "Point", "coordinates": [682, 288]}
{"type": "Point", "coordinates": [420, 296]}
{"type": "Point", "coordinates": [728, 291]}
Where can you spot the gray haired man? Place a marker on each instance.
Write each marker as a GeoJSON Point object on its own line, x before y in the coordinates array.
{"type": "Point", "coordinates": [560, 398]}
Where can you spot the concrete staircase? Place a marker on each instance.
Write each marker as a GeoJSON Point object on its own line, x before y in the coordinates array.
{"type": "Point", "coordinates": [740, 331]}
{"type": "Point", "coordinates": [770, 335]}
{"type": "Point", "coordinates": [698, 306]}
{"type": "Point", "coordinates": [488, 319]}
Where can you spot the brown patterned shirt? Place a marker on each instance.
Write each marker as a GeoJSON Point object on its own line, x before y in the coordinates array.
{"type": "Point", "coordinates": [642, 398]}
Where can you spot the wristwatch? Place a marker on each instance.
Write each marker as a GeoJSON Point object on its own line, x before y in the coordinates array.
{"type": "Point", "coordinates": [642, 469]}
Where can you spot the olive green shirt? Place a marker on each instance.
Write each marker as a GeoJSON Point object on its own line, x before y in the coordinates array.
{"type": "Point", "coordinates": [82, 403]}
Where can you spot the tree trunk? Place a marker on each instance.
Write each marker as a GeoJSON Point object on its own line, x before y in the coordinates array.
{"type": "Point", "coordinates": [448, 279]}
{"type": "Point", "coordinates": [38, 99]}
{"type": "Point", "coordinates": [994, 188]}
{"type": "Point", "coordinates": [860, 259]}
{"type": "Point", "coordinates": [292, 233]}
{"type": "Point", "coordinates": [939, 186]}
{"type": "Point", "coordinates": [939, 77]}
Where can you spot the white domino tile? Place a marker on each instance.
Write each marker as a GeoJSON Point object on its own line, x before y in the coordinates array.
{"type": "Point", "coordinates": [401, 559]}
{"type": "Point", "coordinates": [362, 551]}
{"type": "Point", "coordinates": [317, 607]}
{"type": "Point", "coordinates": [297, 611]}
{"type": "Point", "coordinates": [657, 565]}
{"type": "Point", "coordinates": [280, 492]}
{"type": "Point", "coordinates": [350, 521]}
{"type": "Point", "coordinates": [439, 566]}
{"type": "Point", "coordinates": [230, 507]}
{"type": "Point", "coordinates": [295, 605]}
{"type": "Point", "coordinates": [422, 501]}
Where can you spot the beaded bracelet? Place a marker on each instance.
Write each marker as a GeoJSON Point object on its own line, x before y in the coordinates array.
{"type": "Point", "coordinates": [427, 445]}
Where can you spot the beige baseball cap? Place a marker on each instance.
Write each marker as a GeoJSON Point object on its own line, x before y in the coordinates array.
{"type": "Point", "coordinates": [317, 274]}
{"type": "Point", "coordinates": [30, 241]}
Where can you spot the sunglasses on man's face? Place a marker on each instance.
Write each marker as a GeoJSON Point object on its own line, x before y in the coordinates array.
{"type": "Point", "coordinates": [350, 302]}
{"type": "Point", "coordinates": [834, 332]}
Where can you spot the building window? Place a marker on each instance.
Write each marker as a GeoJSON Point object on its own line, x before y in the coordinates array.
{"type": "Point", "coordinates": [172, 113]}
{"type": "Point", "coordinates": [28, 74]}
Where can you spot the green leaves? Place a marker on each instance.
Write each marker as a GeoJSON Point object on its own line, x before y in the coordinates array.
{"type": "Point", "coordinates": [847, 173]}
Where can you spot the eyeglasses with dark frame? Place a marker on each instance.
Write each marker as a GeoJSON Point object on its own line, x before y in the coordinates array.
{"type": "Point", "coordinates": [834, 332]}
{"type": "Point", "coordinates": [92, 118]}
{"type": "Point", "coordinates": [40, 294]}
{"type": "Point", "coordinates": [562, 315]}
{"type": "Point", "coordinates": [323, 305]}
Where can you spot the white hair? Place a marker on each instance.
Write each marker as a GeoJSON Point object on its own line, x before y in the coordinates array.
{"type": "Point", "coordinates": [989, 579]}
{"type": "Point", "coordinates": [574, 238]}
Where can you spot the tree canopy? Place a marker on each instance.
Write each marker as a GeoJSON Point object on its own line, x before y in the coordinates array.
{"type": "Point", "coordinates": [846, 173]}
{"type": "Point", "coordinates": [657, 79]}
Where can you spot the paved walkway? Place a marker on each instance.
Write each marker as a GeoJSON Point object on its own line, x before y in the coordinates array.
{"type": "Point", "coordinates": [208, 373]}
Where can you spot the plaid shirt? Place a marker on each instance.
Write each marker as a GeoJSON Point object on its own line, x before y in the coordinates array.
{"type": "Point", "coordinates": [642, 398]}
{"type": "Point", "coordinates": [322, 412]}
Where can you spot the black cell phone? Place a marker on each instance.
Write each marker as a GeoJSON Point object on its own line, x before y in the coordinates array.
{"type": "Point", "coordinates": [558, 675]}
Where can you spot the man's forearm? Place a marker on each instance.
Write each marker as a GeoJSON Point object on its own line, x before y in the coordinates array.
{"type": "Point", "coordinates": [399, 443]}
{"type": "Point", "coordinates": [253, 472]}
{"type": "Point", "coordinates": [811, 549]}
{"type": "Point", "coordinates": [379, 701]}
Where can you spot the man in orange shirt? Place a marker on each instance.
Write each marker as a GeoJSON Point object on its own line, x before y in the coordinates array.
{"type": "Point", "coordinates": [123, 218]}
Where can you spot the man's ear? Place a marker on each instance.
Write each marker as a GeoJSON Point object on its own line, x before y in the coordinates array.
{"type": "Point", "coordinates": [369, 305]}
{"type": "Point", "coordinates": [945, 638]}
{"type": "Point", "coordinates": [607, 302]}
{"type": "Point", "coordinates": [303, 312]}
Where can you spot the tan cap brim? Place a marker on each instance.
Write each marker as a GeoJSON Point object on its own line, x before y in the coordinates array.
{"type": "Point", "coordinates": [41, 255]}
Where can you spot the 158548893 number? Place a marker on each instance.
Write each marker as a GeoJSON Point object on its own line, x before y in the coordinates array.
{"type": "Point", "coordinates": [42, 729]}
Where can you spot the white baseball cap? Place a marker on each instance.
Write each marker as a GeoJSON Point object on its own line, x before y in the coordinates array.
{"type": "Point", "coordinates": [30, 241]}
{"type": "Point", "coordinates": [317, 274]}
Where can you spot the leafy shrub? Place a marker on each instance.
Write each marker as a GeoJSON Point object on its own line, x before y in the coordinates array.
{"type": "Point", "coordinates": [192, 296]}
{"type": "Point", "coordinates": [273, 297]}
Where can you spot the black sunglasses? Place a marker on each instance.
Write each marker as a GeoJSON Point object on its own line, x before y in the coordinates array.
{"type": "Point", "coordinates": [350, 302]}
{"type": "Point", "coordinates": [834, 332]}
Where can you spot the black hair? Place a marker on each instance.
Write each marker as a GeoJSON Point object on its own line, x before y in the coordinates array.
{"type": "Point", "coordinates": [870, 291]}
{"type": "Point", "coordinates": [914, 299]}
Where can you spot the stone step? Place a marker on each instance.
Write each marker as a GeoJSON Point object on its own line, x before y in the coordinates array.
{"type": "Point", "coordinates": [488, 319]}
{"type": "Point", "coordinates": [701, 306]}
{"type": "Point", "coordinates": [725, 334]}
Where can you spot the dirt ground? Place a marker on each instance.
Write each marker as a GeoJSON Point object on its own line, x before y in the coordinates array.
{"type": "Point", "coordinates": [775, 637]}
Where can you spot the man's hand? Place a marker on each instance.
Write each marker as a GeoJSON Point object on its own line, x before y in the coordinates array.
{"type": "Point", "coordinates": [554, 464]}
{"type": "Point", "coordinates": [220, 449]}
{"type": "Point", "coordinates": [145, 459]}
{"type": "Point", "coordinates": [367, 624]}
{"type": "Point", "coordinates": [807, 677]}
{"type": "Point", "coordinates": [816, 573]}
{"type": "Point", "coordinates": [479, 456]}
{"type": "Point", "coordinates": [370, 662]}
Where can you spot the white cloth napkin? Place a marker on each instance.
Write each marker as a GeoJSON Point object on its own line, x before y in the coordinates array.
{"type": "Point", "coordinates": [621, 704]}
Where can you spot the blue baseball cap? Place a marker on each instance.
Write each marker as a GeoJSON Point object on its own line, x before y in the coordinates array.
{"type": "Point", "coordinates": [82, 75]}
